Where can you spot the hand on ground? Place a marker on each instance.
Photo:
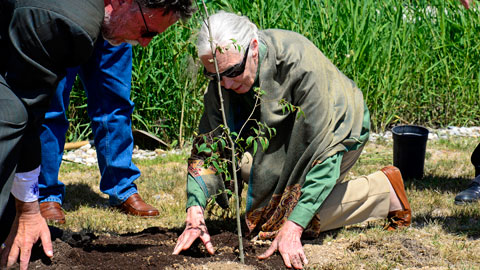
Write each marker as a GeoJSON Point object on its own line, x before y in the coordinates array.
{"type": "Point", "coordinates": [289, 245]}
{"type": "Point", "coordinates": [28, 227]}
{"type": "Point", "coordinates": [194, 228]}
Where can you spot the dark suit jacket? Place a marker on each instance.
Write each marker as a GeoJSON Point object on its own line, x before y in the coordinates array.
{"type": "Point", "coordinates": [39, 39]}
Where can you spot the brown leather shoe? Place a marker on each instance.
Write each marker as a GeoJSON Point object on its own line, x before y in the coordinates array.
{"type": "Point", "coordinates": [400, 218]}
{"type": "Point", "coordinates": [52, 211]}
{"type": "Point", "coordinates": [134, 205]}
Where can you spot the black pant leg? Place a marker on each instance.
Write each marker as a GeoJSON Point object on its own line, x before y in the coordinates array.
{"type": "Point", "coordinates": [13, 120]}
{"type": "Point", "coordinates": [6, 220]}
{"type": "Point", "coordinates": [476, 160]}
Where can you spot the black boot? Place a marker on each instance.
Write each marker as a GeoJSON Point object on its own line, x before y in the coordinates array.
{"type": "Point", "coordinates": [469, 195]}
{"type": "Point", "coordinates": [472, 193]}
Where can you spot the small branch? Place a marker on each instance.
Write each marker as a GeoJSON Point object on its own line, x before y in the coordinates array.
{"type": "Point", "coordinates": [230, 141]}
{"type": "Point", "coordinates": [250, 116]}
{"type": "Point", "coordinates": [180, 135]}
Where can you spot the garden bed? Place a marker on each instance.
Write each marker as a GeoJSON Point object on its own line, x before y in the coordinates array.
{"type": "Point", "coordinates": [149, 249]}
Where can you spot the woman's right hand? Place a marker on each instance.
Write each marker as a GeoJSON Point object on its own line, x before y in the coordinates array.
{"type": "Point", "coordinates": [194, 227]}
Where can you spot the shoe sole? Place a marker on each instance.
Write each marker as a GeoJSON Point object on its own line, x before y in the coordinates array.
{"type": "Point", "coordinates": [464, 202]}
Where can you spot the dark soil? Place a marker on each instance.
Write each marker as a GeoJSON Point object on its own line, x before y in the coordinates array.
{"type": "Point", "coordinates": [149, 249]}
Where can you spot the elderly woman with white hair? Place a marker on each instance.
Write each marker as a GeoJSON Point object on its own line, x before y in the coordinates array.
{"type": "Point", "coordinates": [298, 185]}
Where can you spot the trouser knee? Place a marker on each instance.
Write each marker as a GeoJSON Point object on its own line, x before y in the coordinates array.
{"type": "Point", "coordinates": [13, 116]}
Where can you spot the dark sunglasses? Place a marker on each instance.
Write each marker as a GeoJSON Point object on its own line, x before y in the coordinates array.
{"type": "Point", "coordinates": [148, 34]}
{"type": "Point", "coordinates": [232, 72]}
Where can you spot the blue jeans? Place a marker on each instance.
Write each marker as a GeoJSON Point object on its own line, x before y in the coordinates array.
{"type": "Point", "coordinates": [106, 78]}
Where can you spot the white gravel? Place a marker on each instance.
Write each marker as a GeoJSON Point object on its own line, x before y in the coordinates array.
{"type": "Point", "coordinates": [435, 134]}
{"type": "Point", "coordinates": [88, 156]}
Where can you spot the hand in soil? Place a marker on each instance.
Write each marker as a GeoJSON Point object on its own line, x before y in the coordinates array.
{"type": "Point", "coordinates": [194, 227]}
{"type": "Point", "coordinates": [28, 227]}
{"type": "Point", "coordinates": [289, 245]}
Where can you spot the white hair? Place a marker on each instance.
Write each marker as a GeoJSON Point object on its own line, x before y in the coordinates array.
{"type": "Point", "coordinates": [227, 29]}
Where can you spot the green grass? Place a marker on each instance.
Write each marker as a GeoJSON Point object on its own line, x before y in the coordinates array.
{"type": "Point", "coordinates": [416, 61]}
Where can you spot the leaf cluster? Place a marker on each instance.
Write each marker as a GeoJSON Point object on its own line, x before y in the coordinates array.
{"type": "Point", "coordinates": [289, 107]}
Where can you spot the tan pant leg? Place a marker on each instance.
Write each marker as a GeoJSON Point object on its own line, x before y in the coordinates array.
{"type": "Point", "coordinates": [358, 200]}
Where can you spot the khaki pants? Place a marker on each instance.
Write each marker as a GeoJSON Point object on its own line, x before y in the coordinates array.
{"type": "Point", "coordinates": [352, 201]}
{"type": "Point", "coordinates": [357, 200]}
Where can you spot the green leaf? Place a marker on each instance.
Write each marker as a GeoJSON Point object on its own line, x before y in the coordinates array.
{"type": "Point", "coordinates": [299, 114]}
{"type": "Point", "coordinates": [262, 142]}
{"type": "Point", "coordinates": [217, 167]}
{"type": "Point", "coordinates": [249, 141]}
{"type": "Point", "coordinates": [203, 148]}
{"type": "Point", "coordinates": [222, 142]}
{"type": "Point", "coordinates": [269, 129]}
{"type": "Point", "coordinates": [274, 131]}
{"type": "Point", "coordinates": [255, 146]}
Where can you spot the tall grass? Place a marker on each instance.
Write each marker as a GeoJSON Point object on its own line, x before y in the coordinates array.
{"type": "Point", "coordinates": [415, 61]}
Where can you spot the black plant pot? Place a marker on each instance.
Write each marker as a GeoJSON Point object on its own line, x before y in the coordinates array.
{"type": "Point", "coordinates": [409, 146]}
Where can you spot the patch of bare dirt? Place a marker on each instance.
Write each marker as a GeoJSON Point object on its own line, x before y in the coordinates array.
{"type": "Point", "coordinates": [150, 249]}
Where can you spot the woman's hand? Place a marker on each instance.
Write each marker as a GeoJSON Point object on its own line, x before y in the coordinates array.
{"type": "Point", "coordinates": [289, 245]}
{"type": "Point", "coordinates": [194, 227]}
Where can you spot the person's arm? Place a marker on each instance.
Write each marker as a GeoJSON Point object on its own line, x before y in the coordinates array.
{"type": "Point", "coordinates": [318, 184]}
{"type": "Point", "coordinates": [39, 51]}
{"type": "Point", "coordinates": [195, 226]}
{"type": "Point", "coordinates": [195, 194]}
{"type": "Point", "coordinates": [201, 182]}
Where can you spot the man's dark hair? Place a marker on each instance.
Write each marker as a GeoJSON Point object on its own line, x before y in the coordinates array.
{"type": "Point", "coordinates": [183, 8]}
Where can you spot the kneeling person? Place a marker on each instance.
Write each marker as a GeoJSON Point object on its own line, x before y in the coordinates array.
{"type": "Point", "coordinates": [298, 184]}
